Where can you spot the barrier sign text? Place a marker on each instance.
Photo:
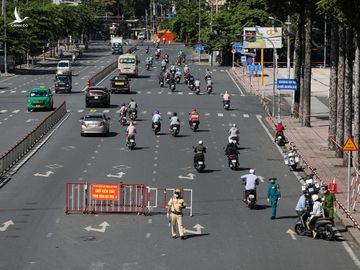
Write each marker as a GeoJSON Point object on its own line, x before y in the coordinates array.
{"type": "Point", "coordinates": [105, 192]}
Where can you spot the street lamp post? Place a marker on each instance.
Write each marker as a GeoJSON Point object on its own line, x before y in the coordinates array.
{"type": "Point", "coordinates": [5, 47]}
{"type": "Point", "coordinates": [199, 30]}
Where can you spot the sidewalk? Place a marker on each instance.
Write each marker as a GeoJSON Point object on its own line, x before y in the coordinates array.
{"type": "Point", "coordinates": [310, 142]}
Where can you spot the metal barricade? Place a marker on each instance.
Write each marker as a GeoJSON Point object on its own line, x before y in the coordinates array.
{"type": "Point", "coordinates": [158, 199]}
{"type": "Point", "coordinates": [129, 198]}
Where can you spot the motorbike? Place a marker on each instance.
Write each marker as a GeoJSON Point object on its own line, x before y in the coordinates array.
{"type": "Point", "coordinates": [147, 66]}
{"type": "Point", "coordinates": [167, 79]}
{"type": "Point", "coordinates": [199, 162]}
{"type": "Point", "coordinates": [123, 120]}
{"type": "Point", "coordinates": [280, 139]}
{"type": "Point", "coordinates": [186, 78]}
{"type": "Point", "coordinates": [172, 86]}
{"type": "Point", "coordinates": [161, 83]}
{"type": "Point", "coordinates": [191, 85]}
{"type": "Point", "coordinates": [292, 159]}
{"type": "Point", "coordinates": [194, 126]}
{"type": "Point", "coordinates": [209, 89]}
{"type": "Point", "coordinates": [133, 115]}
{"type": "Point", "coordinates": [173, 72]}
{"type": "Point", "coordinates": [233, 161]}
{"type": "Point", "coordinates": [226, 105]}
{"type": "Point", "coordinates": [174, 130]}
{"type": "Point", "coordinates": [131, 143]}
{"type": "Point", "coordinates": [163, 68]}
{"type": "Point", "coordinates": [147, 50]}
{"type": "Point", "coordinates": [207, 77]}
{"type": "Point", "coordinates": [250, 199]}
{"type": "Point", "coordinates": [323, 228]}
{"type": "Point", "coordinates": [177, 79]}
{"type": "Point", "coordinates": [156, 128]}
{"type": "Point", "coordinates": [197, 90]}
{"type": "Point", "coordinates": [157, 56]}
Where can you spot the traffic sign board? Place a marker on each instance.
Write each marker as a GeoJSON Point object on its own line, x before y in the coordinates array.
{"type": "Point", "coordinates": [253, 67]}
{"type": "Point", "coordinates": [350, 145]}
{"type": "Point", "coordinates": [238, 46]}
{"type": "Point", "coordinates": [286, 84]}
{"type": "Point", "coordinates": [243, 59]}
{"type": "Point", "coordinates": [199, 48]}
{"type": "Point", "coordinates": [233, 51]}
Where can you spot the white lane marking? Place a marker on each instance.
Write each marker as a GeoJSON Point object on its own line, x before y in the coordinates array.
{"type": "Point", "coordinates": [80, 111]}
{"type": "Point", "coordinates": [15, 111]}
{"type": "Point", "coordinates": [246, 115]}
{"type": "Point", "coordinates": [207, 114]}
{"type": "Point", "coordinates": [148, 235]}
{"type": "Point", "coordinates": [220, 114]}
{"type": "Point", "coordinates": [12, 91]}
{"type": "Point", "coordinates": [144, 112]}
{"type": "Point", "coordinates": [3, 111]}
{"type": "Point", "coordinates": [154, 172]}
{"type": "Point", "coordinates": [169, 93]}
{"type": "Point", "coordinates": [150, 221]}
{"type": "Point", "coordinates": [190, 93]}
{"type": "Point", "coordinates": [180, 93]}
{"type": "Point", "coordinates": [23, 91]}
{"type": "Point", "coordinates": [106, 111]}
{"type": "Point", "coordinates": [156, 158]}
{"type": "Point", "coordinates": [2, 92]}
{"type": "Point", "coordinates": [238, 87]}
{"type": "Point", "coordinates": [155, 164]}
{"type": "Point", "coordinates": [221, 70]}
{"type": "Point", "coordinates": [139, 92]}
{"type": "Point", "coordinates": [233, 115]}
{"type": "Point", "coordinates": [57, 221]}
{"type": "Point", "coordinates": [148, 92]}
{"type": "Point", "coordinates": [351, 254]}
{"type": "Point", "coordinates": [49, 235]}
{"type": "Point", "coordinates": [168, 113]}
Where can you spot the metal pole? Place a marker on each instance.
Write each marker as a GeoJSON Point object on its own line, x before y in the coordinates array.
{"type": "Point", "coordinates": [288, 47]}
{"type": "Point", "coordinates": [273, 97]}
{"type": "Point", "coordinates": [348, 181]}
{"type": "Point", "coordinates": [325, 42]}
{"type": "Point", "coordinates": [5, 45]}
{"type": "Point", "coordinates": [233, 60]}
{"type": "Point", "coordinates": [146, 25]}
{"type": "Point", "coordinates": [279, 99]}
{"type": "Point", "coordinates": [199, 29]}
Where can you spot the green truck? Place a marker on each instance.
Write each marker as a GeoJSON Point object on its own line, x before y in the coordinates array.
{"type": "Point", "coordinates": [40, 98]}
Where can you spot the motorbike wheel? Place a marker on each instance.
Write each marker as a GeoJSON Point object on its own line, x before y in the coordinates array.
{"type": "Point", "coordinates": [293, 167]}
{"type": "Point", "coordinates": [299, 229]}
{"type": "Point", "coordinates": [329, 233]}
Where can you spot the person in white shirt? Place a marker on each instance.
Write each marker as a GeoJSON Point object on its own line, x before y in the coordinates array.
{"type": "Point", "coordinates": [316, 213]}
{"type": "Point", "coordinates": [251, 180]}
{"type": "Point", "coordinates": [233, 133]}
{"type": "Point", "coordinates": [156, 118]}
{"type": "Point", "coordinates": [174, 121]}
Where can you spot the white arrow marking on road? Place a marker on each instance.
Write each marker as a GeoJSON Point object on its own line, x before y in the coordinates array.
{"type": "Point", "coordinates": [102, 229]}
{"type": "Point", "coordinates": [6, 225]}
{"type": "Point", "coordinates": [31, 120]}
{"type": "Point", "coordinates": [198, 229]}
{"type": "Point", "coordinates": [118, 175]}
{"type": "Point", "coordinates": [220, 114]}
{"type": "Point", "coordinates": [189, 176]}
{"type": "Point", "coordinates": [47, 174]}
{"type": "Point", "coordinates": [292, 234]}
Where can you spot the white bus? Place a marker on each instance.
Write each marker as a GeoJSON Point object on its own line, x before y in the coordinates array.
{"type": "Point", "coordinates": [128, 64]}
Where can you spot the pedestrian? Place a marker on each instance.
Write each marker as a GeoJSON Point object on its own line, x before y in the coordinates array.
{"type": "Point", "coordinates": [273, 195]}
{"type": "Point", "coordinates": [329, 200]}
{"type": "Point", "coordinates": [175, 213]}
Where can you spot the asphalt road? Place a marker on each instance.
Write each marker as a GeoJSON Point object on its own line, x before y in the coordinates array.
{"type": "Point", "coordinates": [234, 237]}
{"type": "Point", "coordinates": [15, 120]}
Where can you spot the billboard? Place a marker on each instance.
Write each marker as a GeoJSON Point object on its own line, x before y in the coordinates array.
{"type": "Point", "coordinates": [262, 37]}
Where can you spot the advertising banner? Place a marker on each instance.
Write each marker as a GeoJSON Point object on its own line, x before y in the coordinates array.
{"type": "Point", "coordinates": [262, 37]}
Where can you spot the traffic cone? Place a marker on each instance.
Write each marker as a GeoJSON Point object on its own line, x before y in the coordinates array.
{"type": "Point", "coordinates": [333, 186]}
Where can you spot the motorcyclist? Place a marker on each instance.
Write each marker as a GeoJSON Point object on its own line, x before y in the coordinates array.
{"type": "Point", "coordinates": [315, 214]}
{"type": "Point", "coordinates": [123, 110]}
{"type": "Point", "coordinates": [199, 151]}
{"type": "Point", "coordinates": [207, 73]}
{"type": "Point", "coordinates": [172, 81]}
{"type": "Point", "coordinates": [167, 74]}
{"type": "Point", "coordinates": [158, 52]}
{"type": "Point", "coordinates": [226, 97]}
{"type": "Point", "coordinates": [233, 133]}
{"type": "Point", "coordinates": [166, 57]}
{"type": "Point", "coordinates": [186, 69]}
{"type": "Point", "coordinates": [132, 106]}
{"type": "Point", "coordinates": [174, 121]}
{"type": "Point", "coordinates": [130, 132]}
{"type": "Point", "coordinates": [156, 118]}
{"type": "Point", "coordinates": [161, 77]}
{"type": "Point", "coordinates": [197, 83]}
{"type": "Point", "coordinates": [191, 79]}
{"type": "Point", "coordinates": [148, 61]}
{"type": "Point", "coordinates": [172, 69]}
{"type": "Point", "coordinates": [279, 130]}
{"type": "Point", "coordinates": [250, 180]}
{"type": "Point", "coordinates": [163, 63]}
{"type": "Point", "coordinates": [147, 49]}
{"type": "Point", "coordinates": [194, 117]}
{"type": "Point", "coordinates": [178, 73]}
{"type": "Point", "coordinates": [231, 149]}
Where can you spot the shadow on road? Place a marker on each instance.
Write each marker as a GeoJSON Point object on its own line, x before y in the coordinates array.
{"type": "Point", "coordinates": [195, 235]}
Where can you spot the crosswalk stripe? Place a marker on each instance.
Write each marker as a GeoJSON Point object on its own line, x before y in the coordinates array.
{"type": "Point", "coordinates": [207, 114]}
{"type": "Point", "coordinates": [180, 93]}
{"type": "Point", "coordinates": [220, 114]}
{"type": "Point", "coordinates": [80, 111]}
{"type": "Point", "coordinates": [246, 116]}
{"type": "Point", "coordinates": [148, 92]}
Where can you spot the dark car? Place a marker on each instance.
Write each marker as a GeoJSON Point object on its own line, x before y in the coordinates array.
{"type": "Point", "coordinates": [120, 83]}
{"type": "Point", "coordinates": [97, 96]}
{"type": "Point", "coordinates": [117, 48]}
{"type": "Point", "coordinates": [63, 83]}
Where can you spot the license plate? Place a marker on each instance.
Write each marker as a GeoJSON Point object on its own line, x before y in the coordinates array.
{"type": "Point", "coordinates": [233, 161]}
{"type": "Point", "coordinates": [119, 83]}
{"type": "Point", "coordinates": [174, 128]}
{"type": "Point", "coordinates": [37, 106]}
{"type": "Point", "coordinates": [132, 140]}
{"type": "Point", "coordinates": [251, 196]}
{"type": "Point", "coordinates": [201, 163]}
{"type": "Point", "coordinates": [155, 126]}
{"type": "Point", "coordinates": [96, 97]}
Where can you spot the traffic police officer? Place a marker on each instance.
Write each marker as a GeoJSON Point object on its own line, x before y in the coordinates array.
{"type": "Point", "coordinates": [273, 195]}
{"type": "Point", "coordinates": [175, 213]}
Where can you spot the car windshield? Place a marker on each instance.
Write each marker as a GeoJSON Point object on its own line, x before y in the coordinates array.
{"type": "Point", "coordinates": [94, 117]}
{"type": "Point", "coordinates": [37, 93]}
{"type": "Point", "coordinates": [63, 64]}
{"type": "Point", "coordinates": [62, 79]}
{"type": "Point", "coordinates": [127, 60]}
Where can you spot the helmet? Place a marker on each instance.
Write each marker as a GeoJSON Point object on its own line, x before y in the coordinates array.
{"type": "Point", "coordinates": [177, 190]}
{"type": "Point", "coordinates": [156, 112]}
{"type": "Point", "coordinates": [314, 197]}
{"type": "Point", "coordinates": [279, 121]}
{"type": "Point", "coordinates": [272, 179]}
{"type": "Point", "coordinates": [303, 188]}
{"type": "Point", "coordinates": [234, 125]}
{"type": "Point", "coordinates": [200, 142]}
{"type": "Point", "coordinates": [252, 171]}
{"type": "Point", "coordinates": [123, 104]}
{"type": "Point", "coordinates": [175, 114]}
{"type": "Point", "coordinates": [132, 100]}
{"type": "Point", "coordinates": [226, 92]}
{"type": "Point", "coordinates": [325, 188]}
{"type": "Point", "coordinates": [233, 141]}
{"type": "Point", "coordinates": [194, 109]}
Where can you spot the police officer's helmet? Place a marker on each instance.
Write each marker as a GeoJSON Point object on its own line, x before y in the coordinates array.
{"type": "Point", "coordinates": [279, 121]}
{"type": "Point", "coordinates": [314, 197]}
{"type": "Point", "coordinates": [156, 112]}
{"type": "Point", "coordinates": [234, 125]}
{"type": "Point", "coordinates": [175, 114]}
{"type": "Point", "coordinates": [200, 142]}
{"type": "Point", "coordinates": [252, 171]}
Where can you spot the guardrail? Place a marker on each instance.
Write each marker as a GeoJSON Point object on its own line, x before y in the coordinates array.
{"type": "Point", "coordinates": [16, 152]}
{"type": "Point", "coordinates": [106, 71]}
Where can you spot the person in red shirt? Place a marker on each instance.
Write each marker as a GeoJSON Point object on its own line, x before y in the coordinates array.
{"type": "Point", "coordinates": [279, 130]}
{"type": "Point", "coordinates": [194, 117]}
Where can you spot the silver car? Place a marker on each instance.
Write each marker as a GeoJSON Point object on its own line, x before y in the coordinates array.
{"type": "Point", "coordinates": [95, 123]}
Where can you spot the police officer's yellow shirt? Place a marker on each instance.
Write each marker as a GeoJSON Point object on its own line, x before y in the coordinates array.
{"type": "Point", "coordinates": [176, 205]}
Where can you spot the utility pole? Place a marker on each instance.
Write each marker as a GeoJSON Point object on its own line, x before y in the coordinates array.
{"type": "Point", "coordinates": [325, 42]}
{"type": "Point", "coordinates": [5, 47]}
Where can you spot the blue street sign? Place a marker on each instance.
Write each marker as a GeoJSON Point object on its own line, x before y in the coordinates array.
{"type": "Point", "coordinates": [286, 84]}
{"type": "Point", "coordinates": [253, 68]}
{"type": "Point", "coordinates": [243, 59]}
{"type": "Point", "coordinates": [238, 46]}
{"type": "Point", "coordinates": [199, 48]}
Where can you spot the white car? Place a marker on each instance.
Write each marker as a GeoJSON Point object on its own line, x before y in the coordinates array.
{"type": "Point", "coordinates": [63, 67]}
{"type": "Point", "coordinates": [141, 35]}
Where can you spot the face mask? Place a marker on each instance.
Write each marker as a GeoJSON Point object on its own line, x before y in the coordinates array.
{"type": "Point", "coordinates": [177, 195]}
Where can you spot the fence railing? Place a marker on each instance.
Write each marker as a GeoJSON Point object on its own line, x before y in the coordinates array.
{"type": "Point", "coordinates": [22, 147]}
